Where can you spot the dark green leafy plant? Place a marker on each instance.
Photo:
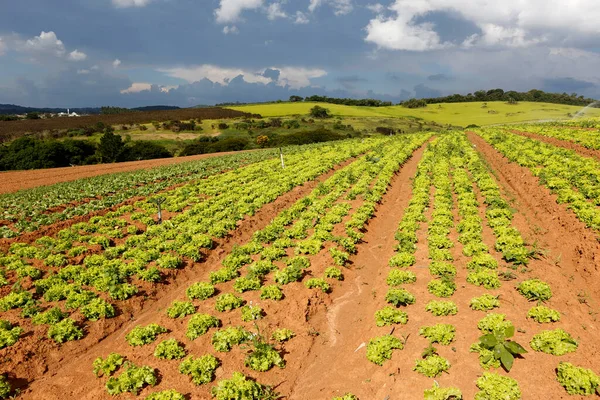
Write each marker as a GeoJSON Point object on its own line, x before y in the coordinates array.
{"type": "Point", "coordinates": [500, 348]}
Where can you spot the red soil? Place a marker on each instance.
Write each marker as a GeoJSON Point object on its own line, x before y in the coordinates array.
{"type": "Point", "coordinates": [327, 357]}
{"type": "Point", "coordinates": [12, 181]}
{"type": "Point", "coordinates": [584, 151]}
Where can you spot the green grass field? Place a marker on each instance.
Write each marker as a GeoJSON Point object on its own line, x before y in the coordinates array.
{"type": "Point", "coordinates": [457, 114]}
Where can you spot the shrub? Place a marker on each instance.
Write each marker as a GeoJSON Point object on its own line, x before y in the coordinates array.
{"type": "Point", "coordinates": [441, 308]}
{"type": "Point", "coordinates": [142, 335]}
{"type": "Point", "coordinates": [390, 316]}
{"type": "Point", "coordinates": [495, 349]}
{"type": "Point", "coordinates": [106, 366]}
{"type": "Point", "coordinates": [497, 387]}
{"type": "Point", "coordinates": [485, 302]}
{"type": "Point", "coordinates": [180, 309]}
{"type": "Point", "coordinates": [439, 333]}
{"type": "Point", "coordinates": [228, 302]}
{"type": "Point", "coordinates": [319, 112]}
{"type": "Point", "coordinates": [535, 290]}
{"type": "Point", "coordinates": [381, 348]}
{"type": "Point", "coordinates": [169, 350]}
{"type": "Point", "coordinates": [577, 380]}
{"type": "Point", "coordinates": [239, 387]}
{"type": "Point", "coordinates": [543, 314]}
{"type": "Point", "coordinates": [201, 369]}
{"type": "Point", "coordinates": [65, 331]}
{"type": "Point", "coordinates": [199, 324]}
{"type": "Point", "coordinates": [132, 380]}
{"type": "Point", "coordinates": [200, 290]}
{"type": "Point", "coordinates": [556, 342]}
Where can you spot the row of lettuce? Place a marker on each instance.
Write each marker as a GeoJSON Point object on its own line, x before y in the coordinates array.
{"type": "Point", "coordinates": [89, 263]}
{"type": "Point", "coordinates": [459, 178]}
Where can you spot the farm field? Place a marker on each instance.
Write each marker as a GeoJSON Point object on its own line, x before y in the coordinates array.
{"type": "Point", "coordinates": [436, 265]}
{"type": "Point", "coordinates": [456, 114]}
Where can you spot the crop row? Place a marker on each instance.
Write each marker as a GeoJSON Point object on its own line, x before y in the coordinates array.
{"type": "Point", "coordinates": [573, 178]}
{"type": "Point", "coordinates": [253, 280]}
{"type": "Point", "coordinates": [30, 209]}
{"type": "Point", "coordinates": [586, 138]}
{"type": "Point", "coordinates": [456, 172]}
{"type": "Point", "coordinates": [113, 255]}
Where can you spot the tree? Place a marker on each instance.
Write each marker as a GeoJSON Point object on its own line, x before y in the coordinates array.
{"type": "Point", "coordinates": [319, 112]}
{"type": "Point", "coordinates": [33, 115]}
{"type": "Point", "coordinates": [262, 141]}
{"type": "Point", "coordinates": [111, 146]}
{"type": "Point", "coordinates": [295, 99]}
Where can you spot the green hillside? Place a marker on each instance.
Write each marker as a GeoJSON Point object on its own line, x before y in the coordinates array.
{"type": "Point", "coordinates": [461, 114]}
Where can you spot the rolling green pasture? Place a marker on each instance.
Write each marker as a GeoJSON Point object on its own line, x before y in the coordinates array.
{"type": "Point", "coordinates": [457, 114]}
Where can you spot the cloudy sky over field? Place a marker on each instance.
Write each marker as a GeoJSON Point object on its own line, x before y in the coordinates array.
{"type": "Point", "coordinates": [187, 52]}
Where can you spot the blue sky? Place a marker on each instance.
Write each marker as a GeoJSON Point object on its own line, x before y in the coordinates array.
{"type": "Point", "coordinates": [74, 53]}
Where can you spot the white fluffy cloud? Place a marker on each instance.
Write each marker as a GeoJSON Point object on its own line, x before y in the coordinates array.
{"type": "Point", "coordinates": [130, 3]}
{"type": "Point", "coordinates": [230, 30]}
{"type": "Point", "coordinates": [274, 11]}
{"type": "Point", "coordinates": [77, 55]}
{"type": "Point", "coordinates": [45, 44]}
{"type": "Point", "coordinates": [340, 7]}
{"type": "Point", "coordinates": [508, 23]}
{"type": "Point", "coordinates": [230, 10]}
{"type": "Point", "coordinates": [116, 63]}
{"type": "Point", "coordinates": [294, 77]}
{"type": "Point", "coordinates": [301, 18]}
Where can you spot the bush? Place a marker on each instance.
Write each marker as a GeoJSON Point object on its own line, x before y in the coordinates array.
{"type": "Point", "coordinates": [319, 112]}
{"type": "Point", "coordinates": [144, 150]}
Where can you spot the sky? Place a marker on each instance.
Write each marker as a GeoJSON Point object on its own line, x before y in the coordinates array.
{"type": "Point", "coordinates": [129, 53]}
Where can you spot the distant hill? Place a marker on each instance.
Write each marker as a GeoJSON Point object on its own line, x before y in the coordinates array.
{"type": "Point", "coordinates": [8, 109]}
